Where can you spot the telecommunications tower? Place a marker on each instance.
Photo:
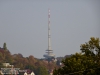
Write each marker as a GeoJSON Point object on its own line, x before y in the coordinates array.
{"type": "Point", "coordinates": [49, 51]}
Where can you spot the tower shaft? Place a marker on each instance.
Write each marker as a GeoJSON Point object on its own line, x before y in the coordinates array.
{"type": "Point", "coordinates": [49, 35]}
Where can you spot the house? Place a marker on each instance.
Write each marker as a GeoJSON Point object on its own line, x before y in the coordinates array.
{"type": "Point", "coordinates": [7, 64]}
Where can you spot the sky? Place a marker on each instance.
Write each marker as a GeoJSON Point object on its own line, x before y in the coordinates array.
{"type": "Point", "coordinates": [24, 25]}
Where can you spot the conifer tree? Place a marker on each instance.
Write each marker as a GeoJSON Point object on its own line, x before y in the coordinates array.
{"type": "Point", "coordinates": [4, 46]}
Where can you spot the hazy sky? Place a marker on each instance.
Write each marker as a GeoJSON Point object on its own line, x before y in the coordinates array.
{"type": "Point", "coordinates": [24, 25]}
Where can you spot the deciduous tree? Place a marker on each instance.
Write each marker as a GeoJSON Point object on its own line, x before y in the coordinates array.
{"type": "Point", "coordinates": [84, 63]}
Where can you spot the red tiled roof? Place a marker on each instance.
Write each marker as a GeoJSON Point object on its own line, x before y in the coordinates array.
{"type": "Point", "coordinates": [28, 71]}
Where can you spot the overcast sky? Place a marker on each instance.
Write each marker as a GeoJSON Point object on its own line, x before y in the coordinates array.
{"type": "Point", "coordinates": [24, 25]}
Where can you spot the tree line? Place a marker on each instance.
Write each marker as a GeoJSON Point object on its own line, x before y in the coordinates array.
{"type": "Point", "coordinates": [39, 67]}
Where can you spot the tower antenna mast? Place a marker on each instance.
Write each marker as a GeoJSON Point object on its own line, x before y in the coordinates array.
{"type": "Point", "coordinates": [49, 35]}
{"type": "Point", "coordinates": [49, 51]}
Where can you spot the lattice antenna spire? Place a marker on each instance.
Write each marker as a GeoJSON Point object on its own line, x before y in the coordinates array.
{"type": "Point", "coordinates": [49, 35]}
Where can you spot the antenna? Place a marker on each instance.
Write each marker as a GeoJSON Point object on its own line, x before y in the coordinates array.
{"type": "Point", "coordinates": [49, 35]}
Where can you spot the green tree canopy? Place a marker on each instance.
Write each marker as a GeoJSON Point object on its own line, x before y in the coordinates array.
{"type": "Point", "coordinates": [92, 47]}
{"type": "Point", "coordinates": [42, 71]}
{"type": "Point", "coordinates": [84, 63]}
